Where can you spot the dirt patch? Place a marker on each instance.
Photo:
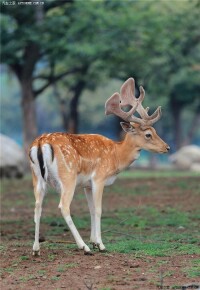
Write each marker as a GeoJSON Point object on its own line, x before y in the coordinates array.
{"type": "Point", "coordinates": [64, 267]}
{"type": "Point", "coordinates": [72, 270]}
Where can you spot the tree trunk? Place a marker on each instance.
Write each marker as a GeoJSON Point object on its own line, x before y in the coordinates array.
{"type": "Point", "coordinates": [24, 74]}
{"type": "Point", "coordinates": [62, 106]}
{"type": "Point", "coordinates": [64, 114]}
{"type": "Point", "coordinates": [193, 127]}
{"type": "Point", "coordinates": [176, 111]}
{"type": "Point", "coordinates": [74, 117]}
{"type": "Point", "coordinates": [28, 113]}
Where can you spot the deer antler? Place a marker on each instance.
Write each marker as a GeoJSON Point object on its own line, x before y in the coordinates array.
{"type": "Point", "coordinates": [127, 97]}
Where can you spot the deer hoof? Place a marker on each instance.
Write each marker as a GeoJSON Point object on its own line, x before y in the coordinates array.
{"type": "Point", "coordinates": [95, 246]}
{"type": "Point", "coordinates": [36, 253]}
{"type": "Point", "coordinates": [103, 251]}
{"type": "Point", "coordinates": [88, 253]}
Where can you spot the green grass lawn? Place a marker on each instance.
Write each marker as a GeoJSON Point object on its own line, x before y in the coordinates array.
{"type": "Point", "coordinates": [157, 174]}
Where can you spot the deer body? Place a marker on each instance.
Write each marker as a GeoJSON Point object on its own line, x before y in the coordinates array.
{"type": "Point", "coordinates": [87, 156]}
{"type": "Point", "coordinates": [93, 161]}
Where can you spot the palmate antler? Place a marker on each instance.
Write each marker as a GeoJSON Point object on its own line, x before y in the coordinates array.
{"type": "Point", "coordinates": [127, 97]}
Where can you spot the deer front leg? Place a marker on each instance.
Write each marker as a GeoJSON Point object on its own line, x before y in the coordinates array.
{"type": "Point", "coordinates": [97, 192]}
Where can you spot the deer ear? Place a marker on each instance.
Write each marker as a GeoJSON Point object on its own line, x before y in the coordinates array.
{"type": "Point", "coordinates": [127, 127]}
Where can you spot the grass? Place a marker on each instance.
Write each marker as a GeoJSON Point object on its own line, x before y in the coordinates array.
{"type": "Point", "coordinates": [55, 278]}
{"type": "Point", "coordinates": [153, 248]}
{"type": "Point", "coordinates": [41, 272]}
{"type": "Point", "coordinates": [24, 258]}
{"type": "Point", "coordinates": [138, 230]}
{"type": "Point", "coordinates": [64, 267]}
{"type": "Point", "coordinates": [142, 189]}
{"type": "Point", "coordinates": [148, 216]}
{"type": "Point", "coordinates": [143, 231]}
{"type": "Point", "coordinates": [150, 231]}
{"type": "Point", "coordinates": [172, 225]}
{"type": "Point", "coordinates": [194, 270]}
{"type": "Point", "coordinates": [156, 174]}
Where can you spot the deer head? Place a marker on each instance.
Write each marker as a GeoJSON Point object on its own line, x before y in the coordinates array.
{"type": "Point", "coordinates": [141, 128]}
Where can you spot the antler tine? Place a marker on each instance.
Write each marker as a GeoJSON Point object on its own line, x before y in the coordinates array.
{"type": "Point", "coordinates": [127, 97]}
{"type": "Point", "coordinates": [127, 94]}
{"type": "Point", "coordinates": [141, 110]}
{"type": "Point", "coordinates": [155, 116]}
{"type": "Point", "coordinates": [144, 112]}
{"type": "Point", "coordinates": [112, 106]}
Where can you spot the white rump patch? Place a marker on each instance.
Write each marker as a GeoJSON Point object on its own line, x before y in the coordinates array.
{"type": "Point", "coordinates": [47, 158]}
{"type": "Point", "coordinates": [52, 168]}
{"type": "Point", "coordinates": [36, 169]}
{"type": "Point", "coordinates": [47, 153]}
{"type": "Point", "coordinates": [33, 154]}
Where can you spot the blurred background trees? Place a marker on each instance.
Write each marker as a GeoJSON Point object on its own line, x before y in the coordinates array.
{"type": "Point", "coordinates": [69, 56]}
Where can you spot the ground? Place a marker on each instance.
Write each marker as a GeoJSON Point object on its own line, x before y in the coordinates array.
{"type": "Point", "coordinates": [150, 227]}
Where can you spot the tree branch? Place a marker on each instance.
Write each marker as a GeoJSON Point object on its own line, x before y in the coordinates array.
{"type": "Point", "coordinates": [41, 77]}
{"type": "Point", "coordinates": [52, 79]}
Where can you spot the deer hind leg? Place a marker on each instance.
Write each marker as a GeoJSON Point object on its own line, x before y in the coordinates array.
{"type": "Point", "coordinates": [89, 197]}
{"type": "Point", "coordinates": [67, 193]}
{"type": "Point", "coordinates": [39, 191]}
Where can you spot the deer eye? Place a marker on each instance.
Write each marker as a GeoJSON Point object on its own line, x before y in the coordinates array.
{"type": "Point", "coordinates": [148, 135]}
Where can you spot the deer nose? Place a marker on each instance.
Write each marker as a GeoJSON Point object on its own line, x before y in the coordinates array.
{"type": "Point", "coordinates": [167, 147]}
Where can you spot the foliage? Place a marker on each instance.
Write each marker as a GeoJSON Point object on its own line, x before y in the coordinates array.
{"type": "Point", "coordinates": [81, 44]}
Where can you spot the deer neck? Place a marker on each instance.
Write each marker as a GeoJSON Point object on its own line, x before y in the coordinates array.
{"type": "Point", "coordinates": [127, 151]}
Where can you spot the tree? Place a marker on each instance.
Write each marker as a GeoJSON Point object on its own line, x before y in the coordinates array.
{"type": "Point", "coordinates": [176, 66]}
{"type": "Point", "coordinates": [53, 42]}
{"type": "Point", "coordinates": [165, 57]}
{"type": "Point", "coordinates": [184, 77]}
{"type": "Point", "coordinates": [87, 42]}
{"type": "Point", "coordinates": [23, 46]}
{"type": "Point", "coordinates": [82, 43]}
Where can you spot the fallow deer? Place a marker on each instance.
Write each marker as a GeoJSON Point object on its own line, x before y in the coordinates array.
{"type": "Point", "coordinates": [94, 161]}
